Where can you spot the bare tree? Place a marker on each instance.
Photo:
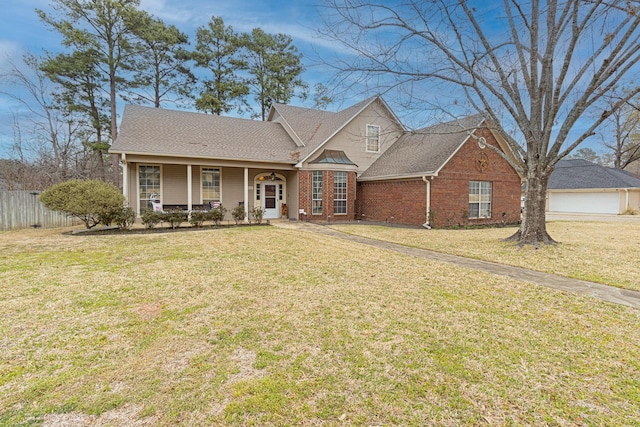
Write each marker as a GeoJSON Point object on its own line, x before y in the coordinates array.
{"type": "Point", "coordinates": [104, 26]}
{"type": "Point", "coordinates": [47, 148]}
{"type": "Point", "coordinates": [538, 71]}
{"type": "Point", "coordinates": [622, 136]}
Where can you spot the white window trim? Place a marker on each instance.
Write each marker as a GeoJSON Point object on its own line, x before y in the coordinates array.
{"type": "Point", "coordinates": [346, 193]}
{"type": "Point", "coordinates": [202, 182]}
{"type": "Point", "coordinates": [138, 184]}
{"type": "Point", "coordinates": [479, 203]}
{"type": "Point", "coordinates": [321, 191]}
{"type": "Point", "coordinates": [367, 138]}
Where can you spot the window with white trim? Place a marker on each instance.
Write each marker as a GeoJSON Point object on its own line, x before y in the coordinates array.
{"type": "Point", "coordinates": [479, 199]}
{"type": "Point", "coordinates": [339, 192]}
{"type": "Point", "coordinates": [316, 193]}
{"type": "Point", "coordinates": [148, 185]}
{"type": "Point", "coordinates": [210, 185]}
{"type": "Point", "coordinates": [373, 138]}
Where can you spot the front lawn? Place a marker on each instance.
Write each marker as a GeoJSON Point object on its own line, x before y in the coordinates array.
{"type": "Point", "coordinates": [601, 252]}
{"type": "Point", "coordinates": [263, 326]}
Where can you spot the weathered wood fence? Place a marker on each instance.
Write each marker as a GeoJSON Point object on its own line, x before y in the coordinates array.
{"type": "Point", "coordinates": [23, 209]}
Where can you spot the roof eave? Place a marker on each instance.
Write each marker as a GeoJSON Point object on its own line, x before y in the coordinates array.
{"type": "Point", "coordinates": [398, 176]}
{"type": "Point", "coordinates": [188, 156]}
{"type": "Point", "coordinates": [588, 190]}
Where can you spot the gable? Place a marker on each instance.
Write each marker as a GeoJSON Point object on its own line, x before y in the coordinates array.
{"type": "Point", "coordinates": [422, 152]}
{"type": "Point", "coordinates": [478, 163]}
{"type": "Point", "coordinates": [350, 138]}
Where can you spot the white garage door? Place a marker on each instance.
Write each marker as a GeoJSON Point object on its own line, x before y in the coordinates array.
{"type": "Point", "coordinates": [605, 203]}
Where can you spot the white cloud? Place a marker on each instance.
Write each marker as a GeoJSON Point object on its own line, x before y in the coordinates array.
{"type": "Point", "coordinates": [160, 9]}
{"type": "Point", "coordinates": [9, 51]}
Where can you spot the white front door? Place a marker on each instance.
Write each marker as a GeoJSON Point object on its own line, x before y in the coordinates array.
{"type": "Point", "coordinates": [271, 201]}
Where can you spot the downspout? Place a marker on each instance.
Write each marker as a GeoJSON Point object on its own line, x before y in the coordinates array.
{"type": "Point", "coordinates": [428, 181]}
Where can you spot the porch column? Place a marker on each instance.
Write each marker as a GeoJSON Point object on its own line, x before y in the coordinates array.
{"type": "Point", "coordinates": [246, 194]}
{"type": "Point", "coordinates": [125, 178]}
{"type": "Point", "coordinates": [189, 188]}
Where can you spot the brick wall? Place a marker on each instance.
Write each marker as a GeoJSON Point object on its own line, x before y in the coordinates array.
{"type": "Point", "coordinates": [405, 201]}
{"type": "Point", "coordinates": [305, 193]}
{"type": "Point", "coordinates": [402, 202]}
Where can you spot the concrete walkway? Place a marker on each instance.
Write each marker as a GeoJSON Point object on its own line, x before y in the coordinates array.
{"type": "Point", "coordinates": [580, 287]}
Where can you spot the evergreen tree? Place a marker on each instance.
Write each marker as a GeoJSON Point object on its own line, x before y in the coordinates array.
{"type": "Point", "coordinates": [217, 50]}
{"type": "Point", "coordinates": [105, 27]}
{"type": "Point", "coordinates": [81, 97]}
{"type": "Point", "coordinates": [274, 67]}
{"type": "Point", "coordinates": [161, 71]}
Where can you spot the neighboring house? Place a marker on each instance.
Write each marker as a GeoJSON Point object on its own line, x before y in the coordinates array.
{"type": "Point", "coordinates": [579, 186]}
{"type": "Point", "coordinates": [305, 164]}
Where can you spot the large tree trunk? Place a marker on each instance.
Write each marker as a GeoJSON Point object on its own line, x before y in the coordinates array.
{"type": "Point", "coordinates": [533, 230]}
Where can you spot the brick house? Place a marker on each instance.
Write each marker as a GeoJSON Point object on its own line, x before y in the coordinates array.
{"type": "Point", "coordinates": [305, 164]}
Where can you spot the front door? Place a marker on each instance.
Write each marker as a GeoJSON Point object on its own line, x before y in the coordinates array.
{"type": "Point", "coordinates": [270, 201]}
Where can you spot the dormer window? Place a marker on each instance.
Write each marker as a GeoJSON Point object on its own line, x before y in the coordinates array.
{"type": "Point", "coordinates": [373, 139]}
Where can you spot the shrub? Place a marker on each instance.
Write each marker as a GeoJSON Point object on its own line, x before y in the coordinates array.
{"type": "Point", "coordinates": [238, 213]}
{"type": "Point", "coordinates": [197, 218]}
{"type": "Point", "coordinates": [91, 201]}
{"type": "Point", "coordinates": [257, 213]}
{"type": "Point", "coordinates": [217, 214]}
{"type": "Point", "coordinates": [150, 218]}
{"type": "Point", "coordinates": [176, 217]}
{"type": "Point", "coordinates": [125, 217]}
{"type": "Point", "coordinates": [108, 217]}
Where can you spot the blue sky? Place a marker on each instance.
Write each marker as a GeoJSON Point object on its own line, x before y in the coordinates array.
{"type": "Point", "coordinates": [22, 31]}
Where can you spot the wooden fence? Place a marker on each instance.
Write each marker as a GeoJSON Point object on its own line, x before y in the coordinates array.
{"type": "Point", "coordinates": [23, 209]}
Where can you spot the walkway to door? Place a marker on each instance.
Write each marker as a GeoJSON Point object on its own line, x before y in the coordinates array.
{"type": "Point", "coordinates": [580, 287]}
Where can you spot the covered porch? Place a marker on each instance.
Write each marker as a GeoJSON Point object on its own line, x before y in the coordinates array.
{"type": "Point", "coordinates": [193, 183]}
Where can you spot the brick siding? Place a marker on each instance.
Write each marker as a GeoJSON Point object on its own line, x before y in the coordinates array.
{"type": "Point", "coordinates": [405, 201]}
{"type": "Point", "coordinates": [305, 181]}
{"type": "Point", "coordinates": [402, 202]}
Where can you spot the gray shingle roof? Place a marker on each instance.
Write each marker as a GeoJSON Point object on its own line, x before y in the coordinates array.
{"type": "Point", "coordinates": [423, 151]}
{"type": "Point", "coordinates": [314, 127]}
{"type": "Point", "coordinates": [162, 132]}
{"type": "Point", "coordinates": [575, 174]}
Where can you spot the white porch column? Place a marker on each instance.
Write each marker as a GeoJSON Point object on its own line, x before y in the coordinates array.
{"type": "Point", "coordinates": [246, 194]}
{"type": "Point", "coordinates": [189, 188]}
{"type": "Point", "coordinates": [125, 179]}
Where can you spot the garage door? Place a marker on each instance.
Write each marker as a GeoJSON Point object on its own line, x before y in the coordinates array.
{"type": "Point", "coordinates": [604, 203]}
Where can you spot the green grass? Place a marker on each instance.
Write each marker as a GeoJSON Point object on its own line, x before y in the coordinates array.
{"type": "Point", "coordinates": [262, 326]}
{"type": "Point", "coordinates": [601, 252]}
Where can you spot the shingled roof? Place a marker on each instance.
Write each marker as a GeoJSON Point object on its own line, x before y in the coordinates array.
{"type": "Point", "coordinates": [155, 131]}
{"type": "Point", "coordinates": [576, 174]}
{"type": "Point", "coordinates": [422, 152]}
{"type": "Point", "coordinates": [315, 127]}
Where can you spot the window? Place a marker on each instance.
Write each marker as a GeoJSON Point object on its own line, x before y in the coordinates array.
{"type": "Point", "coordinates": [373, 139]}
{"type": "Point", "coordinates": [210, 185]}
{"type": "Point", "coordinates": [339, 193]}
{"type": "Point", "coordinates": [479, 199]}
{"type": "Point", "coordinates": [148, 185]}
{"type": "Point", "coordinates": [316, 193]}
